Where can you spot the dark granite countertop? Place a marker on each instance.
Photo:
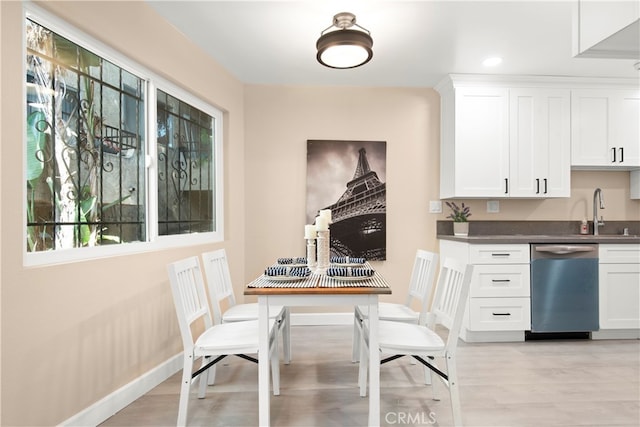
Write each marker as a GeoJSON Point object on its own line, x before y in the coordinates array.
{"type": "Point", "coordinates": [510, 232]}
{"type": "Point", "coordinates": [533, 238]}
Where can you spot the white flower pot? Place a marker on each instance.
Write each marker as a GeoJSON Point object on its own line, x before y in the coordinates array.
{"type": "Point", "coordinates": [460, 228]}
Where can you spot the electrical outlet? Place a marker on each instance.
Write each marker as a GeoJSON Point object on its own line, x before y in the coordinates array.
{"type": "Point", "coordinates": [493, 206]}
{"type": "Point", "coordinates": [435, 206]}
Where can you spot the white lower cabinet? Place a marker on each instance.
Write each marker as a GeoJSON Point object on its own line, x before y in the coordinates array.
{"type": "Point", "coordinates": [499, 307]}
{"type": "Point", "coordinates": [619, 287]}
{"type": "Point", "coordinates": [499, 314]}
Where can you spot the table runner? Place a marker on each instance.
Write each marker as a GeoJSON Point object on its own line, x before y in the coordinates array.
{"type": "Point", "coordinates": [268, 282]}
{"type": "Point", "coordinates": [321, 281]}
{"type": "Point", "coordinates": [376, 281]}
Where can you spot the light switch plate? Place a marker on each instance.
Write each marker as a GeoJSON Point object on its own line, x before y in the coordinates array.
{"type": "Point", "coordinates": [435, 206]}
{"type": "Point", "coordinates": [493, 206]}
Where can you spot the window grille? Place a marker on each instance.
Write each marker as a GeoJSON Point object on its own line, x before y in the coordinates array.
{"type": "Point", "coordinates": [185, 167]}
{"type": "Point", "coordinates": [85, 147]}
{"type": "Point", "coordinates": [89, 162]}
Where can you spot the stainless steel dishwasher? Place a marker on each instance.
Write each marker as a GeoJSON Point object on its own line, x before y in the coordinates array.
{"type": "Point", "coordinates": [564, 288]}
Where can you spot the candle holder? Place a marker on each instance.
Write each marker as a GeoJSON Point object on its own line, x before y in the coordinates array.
{"type": "Point", "coordinates": [311, 254]}
{"type": "Point", "coordinates": [323, 252]}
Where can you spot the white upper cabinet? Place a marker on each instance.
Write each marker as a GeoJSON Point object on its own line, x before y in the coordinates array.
{"type": "Point", "coordinates": [605, 129]}
{"type": "Point", "coordinates": [540, 152]}
{"type": "Point", "coordinates": [606, 29]}
{"type": "Point", "coordinates": [475, 153]}
{"type": "Point", "coordinates": [499, 139]}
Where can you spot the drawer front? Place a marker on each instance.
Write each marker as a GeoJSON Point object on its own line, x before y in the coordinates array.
{"type": "Point", "coordinates": [509, 280]}
{"type": "Point", "coordinates": [499, 314]}
{"type": "Point", "coordinates": [625, 253]}
{"type": "Point", "coordinates": [499, 254]}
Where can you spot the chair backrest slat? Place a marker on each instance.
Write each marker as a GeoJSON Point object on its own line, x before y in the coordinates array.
{"type": "Point", "coordinates": [452, 292]}
{"type": "Point", "coordinates": [421, 284]}
{"type": "Point", "coordinates": [216, 269]}
{"type": "Point", "coordinates": [189, 296]}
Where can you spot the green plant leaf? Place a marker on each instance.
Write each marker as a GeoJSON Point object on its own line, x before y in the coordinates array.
{"type": "Point", "coordinates": [86, 206]}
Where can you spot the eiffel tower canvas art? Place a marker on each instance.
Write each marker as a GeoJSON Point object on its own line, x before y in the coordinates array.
{"type": "Point", "coordinates": [348, 177]}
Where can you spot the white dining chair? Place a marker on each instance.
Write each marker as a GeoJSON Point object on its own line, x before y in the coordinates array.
{"type": "Point", "coordinates": [421, 341]}
{"type": "Point", "coordinates": [216, 341]}
{"type": "Point", "coordinates": [420, 288]}
{"type": "Point", "coordinates": [227, 310]}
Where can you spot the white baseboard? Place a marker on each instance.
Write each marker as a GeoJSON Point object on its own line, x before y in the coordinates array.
{"type": "Point", "coordinates": [614, 334]}
{"type": "Point", "coordinates": [491, 336]}
{"type": "Point", "coordinates": [321, 319]}
{"type": "Point", "coordinates": [119, 399]}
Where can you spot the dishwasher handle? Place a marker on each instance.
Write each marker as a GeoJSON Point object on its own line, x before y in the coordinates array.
{"type": "Point", "coordinates": [566, 249]}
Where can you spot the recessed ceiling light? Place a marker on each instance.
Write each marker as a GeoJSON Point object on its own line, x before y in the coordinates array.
{"type": "Point", "coordinates": [492, 62]}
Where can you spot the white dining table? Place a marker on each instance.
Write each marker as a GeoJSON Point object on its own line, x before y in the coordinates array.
{"type": "Point", "coordinates": [318, 290]}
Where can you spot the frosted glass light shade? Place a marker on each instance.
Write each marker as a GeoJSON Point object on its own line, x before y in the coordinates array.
{"type": "Point", "coordinates": [344, 49]}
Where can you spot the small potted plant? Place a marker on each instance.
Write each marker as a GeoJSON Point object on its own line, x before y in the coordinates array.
{"type": "Point", "coordinates": [459, 215]}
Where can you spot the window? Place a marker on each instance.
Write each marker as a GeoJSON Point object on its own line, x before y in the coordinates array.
{"type": "Point", "coordinates": [185, 179]}
{"type": "Point", "coordinates": [85, 147]}
{"type": "Point", "coordinates": [109, 159]}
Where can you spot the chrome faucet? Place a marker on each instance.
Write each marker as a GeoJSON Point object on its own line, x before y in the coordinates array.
{"type": "Point", "coordinates": [597, 195]}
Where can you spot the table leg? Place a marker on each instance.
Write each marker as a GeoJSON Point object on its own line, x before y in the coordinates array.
{"type": "Point", "coordinates": [374, 363]}
{"type": "Point", "coordinates": [263, 361]}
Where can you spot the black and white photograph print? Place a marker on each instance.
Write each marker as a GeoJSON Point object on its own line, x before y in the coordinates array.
{"type": "Point", "coordinates": [349, 178]}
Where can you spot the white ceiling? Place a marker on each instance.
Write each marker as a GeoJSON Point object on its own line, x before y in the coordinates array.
{"type": "Point", "coordinates": [416, 43]}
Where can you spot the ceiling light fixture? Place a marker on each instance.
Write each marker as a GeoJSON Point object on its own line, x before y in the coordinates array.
{"type": "Point", "coordinates": [344, 48]}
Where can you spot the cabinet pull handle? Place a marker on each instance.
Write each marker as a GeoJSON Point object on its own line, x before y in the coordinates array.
{"type": "Point", "coordinates": [613, 151]}
{"type": "Point", "coordinates": [537, 185]}
{"type": "Point", "coordinates": [545, 186]}
{"type": "Point", "coordinates": [501, 314]}
{"type": "Point", "coordinates": [621, 154]}
{"type": "Point", "coordinates": [499, 254]}
{"type": "Point", "coordinates": [506, 186]}
{"type": "Point", "coordinates": [500, 280]}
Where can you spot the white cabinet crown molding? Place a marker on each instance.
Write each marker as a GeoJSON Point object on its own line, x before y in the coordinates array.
{"type": "Point", "coordinates": [519, 81]}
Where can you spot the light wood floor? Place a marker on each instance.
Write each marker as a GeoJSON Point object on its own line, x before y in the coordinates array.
{"type": "Point", "coordinates": [535, 383]}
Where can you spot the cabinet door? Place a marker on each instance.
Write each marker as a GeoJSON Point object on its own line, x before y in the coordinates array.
{"type": "Point", "coordinates": [481, 142]}
{"type": "Point", "coordinates": [622, 253]}
{"type": "Point", "coordinates": [499, 281]}
{"type": "Point", "coordinates": [619, 296]}
{"type": "Point", "coordinates": [626, 128]}
{"type": "Point", "coordinates": [499, 254]}
{"type": "Point", "coordinates": [590, 128]}
{"type": "Point", "coordinates": [605, 128]}
{"type": "Point", "coordinates": [499, 314]}
{"type": "Point", "coordinates": [540, 162]}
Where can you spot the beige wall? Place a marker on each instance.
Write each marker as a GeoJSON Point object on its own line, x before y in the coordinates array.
{"type": "Point", "coordinates": [72, 334]}
{"type": "Point", "coordinates": [279, 120]}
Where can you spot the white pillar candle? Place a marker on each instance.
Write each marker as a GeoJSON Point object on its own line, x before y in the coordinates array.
{"type": "Point", "coordinates": [310, 231]}
{"type": "Point", "coordinates": [322, 224]}
{"type": "Point", "coordinates": [326, 213]}
{"type": "Point", "coordinates": [323, 251]}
